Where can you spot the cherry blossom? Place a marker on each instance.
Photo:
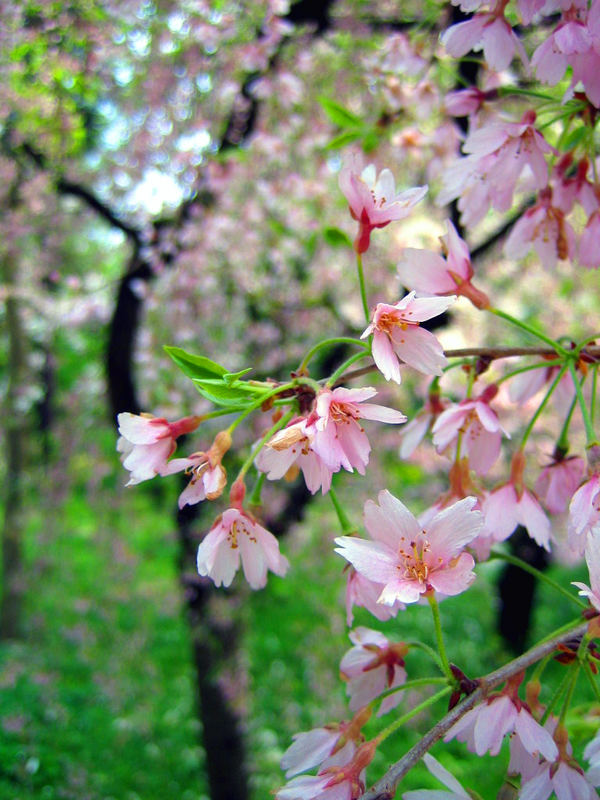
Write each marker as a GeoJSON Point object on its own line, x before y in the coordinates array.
{"type": "Point", "coordinates": [373, 200]}
{"type": "Point", "coordinates": [408, 560]}
{"type": "Point", "coordinates": [592, 557]}
{"type": "Point", "coordinates": [584, 513]}
{"type": "Point", "coordinates": [330, 746]}
{"type": "Point", "coordinates": [428, 272]}
{"type": "Point", "coordinates": [592, 754]}
{"type": "Point", "coordinates": [346, 782]}
{"type": "Point", "coordinates": [237, 535]}
{"type": "Point", "coordinates": [556, 52]}
{"type": "Point", "coordinates": [456, 790]}
{"type": "Point", "coordinates": [291, 449]}
{"type": "Point", "coordinates": [480, 428]}
{"type": "Point", "coordinates": [587, 254]}
{"type": "Point", "coordinates": [146, 442]}
{"type": "Point", "coordinates": [484, 727]}
{"type": "Point", "coordinates": [543, 227]}
{"type": "Point", "coordinates": [371, 667]}
{"type": "Point", "coordinates": [398, 335]}
{"type": "Point", "coordinates": [490, 32]}
{"type": "Point", "coordinates": [340, 440]}
{"type": "Point", "coordinates": [497, 154]}
{"type": "Point", "coordinates": [513, 504]}
{"type": "Point", "coordinates": [208, 475]}
{"type": "Point", "coordinates": [558, 482]}
{"type": "Point", "coordinates": [565, 779]}
{"type": "Point", "coordinates": [364, 593]}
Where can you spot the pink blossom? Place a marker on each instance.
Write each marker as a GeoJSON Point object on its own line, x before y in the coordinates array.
{"type": "Point", "coordinates": [497, 155]}
{"type": "Point", "coordinates": [584, 513]}
{"type": "Point", "coordinates": [527, 384]}
{"type": "Point", "coordinates": [566, 780]}
{"type": "Point", "coordinates": [364, 593]}
{"type": "Point", "coordinates": [292, 448]}
{"type": "Point", "coordinates": [425, 271]}
{"type": "Point", "coordinates": [556, 52]}
{"type": "Point", "coordinates": [544, 228]}
{"type": "Point", "coordinates": [592, 557]}
{"type": "Point", "coordinates": [456, 790]}
{"type": "Point", "coordinates": [408, 560]}
{"type": "Point", "coordinates": [371, 667]}
{"type": "Point", "coordinates": [235, 535]}
{"type": "Point", "coordinates": [505, 508]}
{"type": "Point", "coordinates": [570, 186]}
{"type": "Point", "coordinates": [328, 746]}
{"type": "Point", "coordinates": [346, 782]}
{"type": "Point", "coordinates": [373, 200]}
{"type": "Point", "coordinates": [464, 102]}
{"type": "Point", "coordinates": [490, 32]}
{"type": "Point", "coordinates": [479, 425]}
{"type": "Point", "coordinates": [592, 754]}
{"type": "Point", "coordinates": [558, 482]}
{"type": "Point", "coordinates": [398, 335]}
{"type": "Point", "coordinates": [413, 432]}
{"type": "Point", "coordinates": [208, 476]}
{"type": "Point", "coordinates": [340, 440]}
{"type": "Point", "coordinates": [484, 727]}
{"type": "Point", "coordinates": [589, 243]}
{"type": "Point", "coordinates": [146, 442]}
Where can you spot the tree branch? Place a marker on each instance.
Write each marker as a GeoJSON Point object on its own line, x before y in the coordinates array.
{"type": "Point", "coordinates": [385, 788]}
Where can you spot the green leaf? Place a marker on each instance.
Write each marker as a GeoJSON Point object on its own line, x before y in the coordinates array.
{"type": "Point", "coordinates": [336, 238]}
{"type": "Point", "coordinates": [196, 367]}
{"type": "Point", "coordinates": [343, 139]}
{"type": "Point", "coordinates": [575, 138]}
{"type": "Point", "coordinates": [229, 378]}
{"type": "Point", "coordinates": [370, 141]}
{"type": "Point", "coordinates": [219, 393]}
{"type": "Point", "coordinates": [339, 115]}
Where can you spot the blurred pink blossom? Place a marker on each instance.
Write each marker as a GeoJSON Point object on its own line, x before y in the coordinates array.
{"type": "Point", "coordinates": [592, 558]}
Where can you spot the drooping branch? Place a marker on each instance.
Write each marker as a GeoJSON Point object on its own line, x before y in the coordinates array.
{"type": "Point", "coordinates": [385, 788]}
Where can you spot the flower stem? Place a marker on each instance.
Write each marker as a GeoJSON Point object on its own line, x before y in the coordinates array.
{"type": "Point", "coordinates": [345, 524]}
{"type": "Point", "coordinates": [397, 723]}
{"type": "Point", "coordinates": [343, 367]}
{"type": "Point", "coordinates": [592, 679]}
{"type": "Point", "coordinates": [559, 691]}
{"type": "Point", "coordinates": [258, 403]}
{"type": "Point", "coordinates": [587, 422]}
{"type": "Point", "coordinates": [361, 283]}
{"type": "Point", "coordinates": [528, 329]}
{"type": "Point", "coordinates": [255, 499]}
{"type": "Point", "coordinates": [542, 405]}
{"type": "Point", "coordinates": [540, 575]}
{"type": "Point", "coordinates": [329, 343]}
{"type": "Point", "coordinates": [569, 696]}
{"type": "Point", "coordinates": [556, 362]}
{"type": "Point", "coordinates": [256, 450]}
{"type": "Point", "coordinates": [435, 610]}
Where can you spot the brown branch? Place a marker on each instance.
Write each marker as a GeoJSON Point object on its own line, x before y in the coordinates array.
{"type": "Point", "coordinates": [385, 788]}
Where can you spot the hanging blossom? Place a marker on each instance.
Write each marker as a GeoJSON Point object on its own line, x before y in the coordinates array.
{"type": "Point", "coordinates": [561, 775]}
{"type": "Point", "coordinates": [345, 782]}
{"type": "Point", "coordinates": [397, 335]}
{"type": "Point", "coordinates": [340, 440]}
{"type": "Point", "coordinates": [208, 476]}
{"type": "Point", "coordinates": [592, 558]}
{"type": "Point", "coordinates": [235, 536]}
{"type": "Point", "coordinates": [413, 433]}
{"type": "Point", "coordinates": [147, 442]}
{"type": "Point", "coordinates": [480, 428]}
{"type": "Point", "coordinates": [373, 200]}
{"type": "Point", "coordinates": [408, 560]}
{"type": "Point", "coordinates": [543, 227]}
{"type": "Point", "coordinates": [371, 667]}
{"type": "Point", "coordinates": [364, 593]}
{"type": "Point", "coordinates": [497, 154]}
{"type": "Point", "coordinates": [483, 728]}
{"type": "Point", "coordinates": [513, 504]}
{"type": "Point", "coordinates": [558, 481]}
{"type": "Point", "coordinates": [331, 746]}
{"type": "Point", "coordinates": [489, 32]}
{"type": "Point", "coordinates": [428, 272]}
{"type": "Point", "coordinates": [291, 449]}
{"type": "Point", "coordinates": [584, 513]}
{"type": "Point", "coordinates": [587, 255]}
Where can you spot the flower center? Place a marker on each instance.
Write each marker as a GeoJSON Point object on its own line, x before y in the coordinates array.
{"type": "Point", "coordinates": [413, 565]}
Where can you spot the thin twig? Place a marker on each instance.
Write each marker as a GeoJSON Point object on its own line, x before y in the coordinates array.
{"type": "Point", "coordinates": [385, 788]}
